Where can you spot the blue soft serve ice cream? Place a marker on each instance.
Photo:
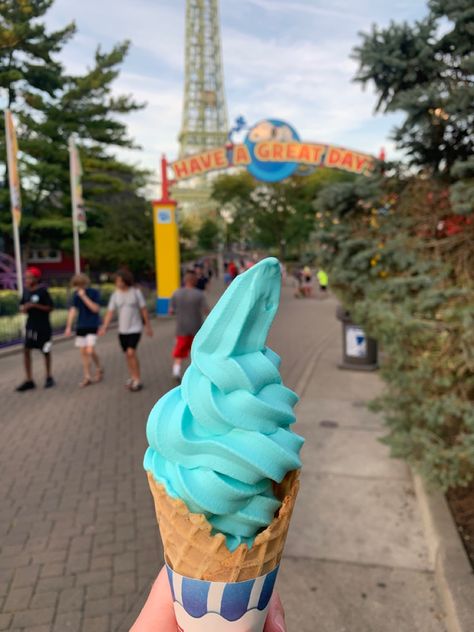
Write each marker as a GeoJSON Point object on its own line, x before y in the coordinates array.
{"type": "Point", "coordinates": [219, 440]}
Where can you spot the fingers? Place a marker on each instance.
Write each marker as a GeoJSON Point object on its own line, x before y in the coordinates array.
{"type": "Point", "coordinates": [157, 613]}
{"type": "Point", "coordinates": [276, 615]}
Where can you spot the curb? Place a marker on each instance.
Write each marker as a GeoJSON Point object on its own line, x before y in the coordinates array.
{"type": "Point", "coordinates": [454, 576]}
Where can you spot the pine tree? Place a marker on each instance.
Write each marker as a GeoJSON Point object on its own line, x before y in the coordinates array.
{"type": "Point", "coordinates": [28, 61]}
{"type": "Point", "coordinates": [50, 106]}
{"type": "Point", "coordinates": [426, 70]}
{"type": "Point", "coordinates": [399, 278]}
{"type": "Point", "coordinates": [399, 257]}
{"type": "Point", "coordinates": [28, 51]}
{"type": "Point", "coordinates": [84, 107]}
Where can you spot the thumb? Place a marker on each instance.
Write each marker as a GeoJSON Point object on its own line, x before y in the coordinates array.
{"type": "Point", "coordinates": [276, 615]}
{"type": "Point", "coordinates": [157, 613]}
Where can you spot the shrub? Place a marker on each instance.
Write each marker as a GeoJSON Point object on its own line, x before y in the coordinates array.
{"type": "Point", "coordinates": [411, 287]}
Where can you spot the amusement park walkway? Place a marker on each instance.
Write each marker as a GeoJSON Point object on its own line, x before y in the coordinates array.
{"type": "Point", "coordinates": [79, 546]}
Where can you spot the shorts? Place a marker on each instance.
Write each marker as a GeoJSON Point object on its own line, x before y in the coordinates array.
{"type": "Point", "coordinates": [323, 288]}
{"type": "Point", "coordinates": [129, 341]}
{"type": "Point", "coordinates": [86, 337]}
{"type": "Point", "coordinates": [38, 340]}
{"type": "Point", "coordinates": [182, 346]}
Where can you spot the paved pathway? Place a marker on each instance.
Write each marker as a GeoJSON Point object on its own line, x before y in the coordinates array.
{"type": "Point", "coordinates": [79, 545]}
{"type": "Point", "coordinates": [355, 559]}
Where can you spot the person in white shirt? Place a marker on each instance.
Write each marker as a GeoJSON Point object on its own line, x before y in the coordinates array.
{"type": "Point", "coordinates": [133, 317]}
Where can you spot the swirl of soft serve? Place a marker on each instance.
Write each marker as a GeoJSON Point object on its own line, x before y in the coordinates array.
{"type": "Point", "coordinates": [219, 440]}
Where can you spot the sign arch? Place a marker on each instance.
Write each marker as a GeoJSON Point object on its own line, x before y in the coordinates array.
{"type": "Point", "coordinates": [272, 151]}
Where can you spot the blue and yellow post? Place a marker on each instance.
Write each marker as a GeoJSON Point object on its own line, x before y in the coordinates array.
{"type": "Point", "coordinates": [166, 245]}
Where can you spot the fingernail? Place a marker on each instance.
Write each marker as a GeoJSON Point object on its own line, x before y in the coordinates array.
{"type": "Point", "coordinates": [279, 623]}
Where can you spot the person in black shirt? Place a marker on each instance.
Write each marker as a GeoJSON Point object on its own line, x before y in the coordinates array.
{"type": "Point", "coordinates": [201, 279]}
{"type": "Point", "coordinates": [37, 304]}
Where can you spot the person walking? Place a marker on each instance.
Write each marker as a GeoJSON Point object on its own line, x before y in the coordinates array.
{"type": "Point", "coordinates": [86, 307]}
{"type": "Point", "coordinates": [189, 305]}
{"type": "Point", "coordinates": [36, 302]}
{"type": "Point", "coordinates": [133, 316]}
{"type": "Point", "coordinates": [233, 270]}
{"type": "Point", "coordinates": [307, 282]}
{"type": "Point", "coordinates": [323, 281]}
{"type": "Point", "coordinates": [201, 279]}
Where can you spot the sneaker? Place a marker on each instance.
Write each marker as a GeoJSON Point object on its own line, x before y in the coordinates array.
{"type": "Point", "coordinates": [128, 383]}
{"type": "Point", "coordinates": [26, 386]}
{"type": "Point", "coordinates": [49, 382]}
{"type": "Point", "coordinates": [136, 386]}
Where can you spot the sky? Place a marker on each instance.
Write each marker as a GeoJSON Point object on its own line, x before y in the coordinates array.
{"type": "Point", "coordinates": [285, 59]}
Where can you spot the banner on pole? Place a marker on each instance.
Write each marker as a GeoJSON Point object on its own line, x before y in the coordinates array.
{"type": "Point", "coordinates": [78, 210]}
{"type": "Point", "coordinates": [12, 161]}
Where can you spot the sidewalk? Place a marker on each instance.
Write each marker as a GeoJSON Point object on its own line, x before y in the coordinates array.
{"type": "Point", "coordinates": [79, 544]}
{"type": "Point", "coordinates": [356, 559]}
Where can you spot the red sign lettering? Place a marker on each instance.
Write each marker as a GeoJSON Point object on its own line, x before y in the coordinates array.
{"type": "Point", "coordinates": [241, 155]}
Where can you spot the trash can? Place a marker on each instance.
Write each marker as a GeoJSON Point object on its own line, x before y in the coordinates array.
{"type": "Point", "coordinates": [359, 352]}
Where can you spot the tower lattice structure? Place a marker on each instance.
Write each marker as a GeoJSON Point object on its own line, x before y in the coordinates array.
{"type": "Point", "coordinates": [204, 123]}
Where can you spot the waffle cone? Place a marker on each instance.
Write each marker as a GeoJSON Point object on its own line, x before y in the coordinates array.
{"type": "Point", "coordinates": [192, 551]}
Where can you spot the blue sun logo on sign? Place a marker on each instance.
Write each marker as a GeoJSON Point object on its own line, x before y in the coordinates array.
{"type": "Point", "coordinates": [270, 130]}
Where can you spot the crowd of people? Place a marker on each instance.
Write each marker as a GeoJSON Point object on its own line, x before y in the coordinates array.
{"type": "Point", "coordinates": [304, 279]}
{"type": "Point", "coordinates": [188, 305]}
{"type": "Point", "coordinates": [127, 301]}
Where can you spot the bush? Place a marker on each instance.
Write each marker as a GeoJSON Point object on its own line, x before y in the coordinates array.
{"type": "Point", "coordinates": [411, 288]}
{"type": "Point", "coordinates": [8, 302]}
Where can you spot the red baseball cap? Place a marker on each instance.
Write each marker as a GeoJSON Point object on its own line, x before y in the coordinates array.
{"type": "Point", "coordinates": [35, 272]}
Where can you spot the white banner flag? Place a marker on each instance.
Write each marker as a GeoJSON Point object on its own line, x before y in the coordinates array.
{"type": "Point", "coordinates": [78, 210]}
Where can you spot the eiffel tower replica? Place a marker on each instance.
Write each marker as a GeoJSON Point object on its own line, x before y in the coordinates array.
{"type": "Point", "coordinates": [204, 121]}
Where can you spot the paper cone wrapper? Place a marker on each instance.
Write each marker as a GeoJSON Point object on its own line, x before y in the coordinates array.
{"type": "Point", "coordinates": [203, 606]}
{"type": "Point", "coordinates": [191, 550]}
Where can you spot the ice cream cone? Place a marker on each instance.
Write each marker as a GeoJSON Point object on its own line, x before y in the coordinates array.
{"type": "Point", "coordinates": [192, 551]}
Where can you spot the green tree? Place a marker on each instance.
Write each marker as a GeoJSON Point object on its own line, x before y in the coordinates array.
{"type": "Point", "coordinates": [409, 287]}
{"type": "Point", "coordinates": [28, 51]}
{"type": "Point", "coordinates": [232, 193]}
{"type": "Point", "coordinates": [187, 237]}
{"type": "Point", "coordinates": [277, 216]}
{"type": "Point", "coordinates": [399, 257]}
{"type": "Point", "coordinates": [84, 107]}
{"type": "Point", "coordinates": [51, 106]}
{"type": "Point", "coordinates": [27, 62]}
{"type": "Point", "coordinates": [208, 235]}
{"type": "Point", "coordinates": [426, 70]}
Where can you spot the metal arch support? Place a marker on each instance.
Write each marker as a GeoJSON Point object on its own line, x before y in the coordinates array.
{"type": "Point", "coordinates": [204, 120]}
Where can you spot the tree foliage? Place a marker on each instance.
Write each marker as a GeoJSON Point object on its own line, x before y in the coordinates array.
{"type": "Point", "coordinates": [51, 106]}
{"type": "Point", "coordinates": [275, 216]}
{"type": "Point", "coordinates": [426, 70]}
{"type": "Point", "coordinates": [398, 245]}
{"type": "Point", "coordinates": [208, 235]}
{"type": "Point", "coordinates": [410, 287]}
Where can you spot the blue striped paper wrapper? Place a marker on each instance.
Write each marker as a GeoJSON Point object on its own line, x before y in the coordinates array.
{"type": "Point", "coordinates": [202, 606]}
